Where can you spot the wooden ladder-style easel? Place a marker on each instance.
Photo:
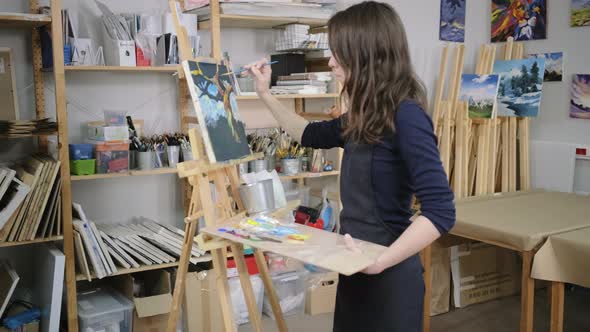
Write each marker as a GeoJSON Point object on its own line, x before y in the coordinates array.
{"type": "Point", "coordinates": [201, 174]}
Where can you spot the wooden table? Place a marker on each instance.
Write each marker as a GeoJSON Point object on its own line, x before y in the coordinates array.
{"type": "Point", "coordinates": [521, 221]}
{"type": "Point", "coordinates": [563, 258]}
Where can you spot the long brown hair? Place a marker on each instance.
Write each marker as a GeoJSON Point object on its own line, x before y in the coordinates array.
{"type": "Point", "coordinates": [369, 41]}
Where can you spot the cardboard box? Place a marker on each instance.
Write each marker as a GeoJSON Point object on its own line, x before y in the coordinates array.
{"type": "Point", "coordinates": [153, 304]}
{"type": "Point", "coordinates": [97, 131]}
{"type": "Point", "coordinates": [118, 52]}
{"type": "Point", "coordinates": [321, 293]}
{"type": "Point", "coordinates": [482, 272]}
{"type": "Point", "coordinates": [202, 309]}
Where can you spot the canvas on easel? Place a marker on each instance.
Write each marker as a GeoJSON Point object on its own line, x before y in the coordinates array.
{"type": "Point", "coordinates": [215, 103]}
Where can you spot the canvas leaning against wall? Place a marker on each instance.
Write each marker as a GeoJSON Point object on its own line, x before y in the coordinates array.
{"type": "Point", "coordinates": [215, 103]}
{"type": "Point", "coordinates": [521, 19]}
{"type": "Point", "coordinates": [580, 13]}
{"type": "Point", "coordinates": [553, 66]}
{"type": "Point", "coordinates": [480, 91]}
{"type": "Point", "coordinates": [521, 84]}
{"type": "Point", "coordinates": [580, 103]}
{"type": "Point", "coordinates": [452, 20]}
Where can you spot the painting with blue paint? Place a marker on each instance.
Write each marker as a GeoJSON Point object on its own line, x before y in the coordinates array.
{"type": "Point", "coordinates": [452, 20]}
{"type": "Point", "coordinates": [215, 103]}
{"type": "Point", "coordinates": [480, 92]}
{"type": "Point", "coordinates": [580, 102]}
{"type": "Point", "coordinates": [521, 85]}
{"type": "Point", "coordinates": [553, 66]}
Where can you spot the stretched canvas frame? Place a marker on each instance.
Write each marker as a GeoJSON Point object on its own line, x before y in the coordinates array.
{"type": "Point", "coordinates": [214, 98]}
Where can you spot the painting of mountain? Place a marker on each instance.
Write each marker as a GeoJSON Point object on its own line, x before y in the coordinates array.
{"type": "Point", "coordinates": [580, 103]}
{"type": "Point", "coordinates": [452, 20]}
{"type": "Point", "coordinates": [521, 84]}
{"type": "Point", "coordinates": [580, 13]}
{"type": "Point", "coordinates": [521, 19]}
{"type": "Point", "coordinates": [480, 91]}
{"type": "Point", "coordinates": [214, 98]}
{"type": "Point", "coordinates": [553, 66]}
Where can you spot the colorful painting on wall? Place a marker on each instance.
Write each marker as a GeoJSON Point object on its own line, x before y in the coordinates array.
{"type": "Point", "coordinates": [215, 103]}
{"type": "Point", "coordinates": [480, 91]}
{"type": "Point", "coordinates": [521, 19]}
{"type": "Point", "coordinates": [452, 20]}
{"type": "Point", "coordinates": [580, 13]}
{"type": "Point", "coordinates": [553, 66]}
{"type": "Point", "coordinates": [580, 103]}
{"type": "Point", "coordinates": [521, 84]}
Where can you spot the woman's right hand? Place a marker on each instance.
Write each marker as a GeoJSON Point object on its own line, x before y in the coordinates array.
{"type": "Point", "coordinates": [260, 73]}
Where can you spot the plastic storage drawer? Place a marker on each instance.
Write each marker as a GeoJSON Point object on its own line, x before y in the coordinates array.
{"type": "Point", "coordinates": [104, 310]}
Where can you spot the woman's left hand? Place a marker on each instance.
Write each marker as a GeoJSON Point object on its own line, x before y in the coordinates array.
{"type": "Point", "coordinates": [377, 267]}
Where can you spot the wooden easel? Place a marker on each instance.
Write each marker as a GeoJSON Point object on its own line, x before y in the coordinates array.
{"type": "Point", "coordinates": [201, 174]}
{"type": "Point", "coordinates": [472, 150]}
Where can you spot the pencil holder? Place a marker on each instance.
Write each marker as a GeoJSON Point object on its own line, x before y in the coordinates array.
{"type": "Point", "coordinates": [145, 160]}
{"type": "Point", "coordinates": [243, 168]}
{"type": "Point", "coordinates": [187, 155]}
{"type": "Point", "coordinates": [173, 155]}
{"type": "Point", "coordinates": [258, 165]}
{"type": "Point", "coordinates": [161, 158]}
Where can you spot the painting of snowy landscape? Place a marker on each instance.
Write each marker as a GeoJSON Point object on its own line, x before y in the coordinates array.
{"type": "Point", "coordinates": [452, 20]}
{"type": "Point", "coordinates": [480, 91]}
{"type": "Point", "coordinates": [553, 66]}
{"type": "Point", "coordinates": [580, 103]}
{"type": "Point", "coordinates": [521, 84]}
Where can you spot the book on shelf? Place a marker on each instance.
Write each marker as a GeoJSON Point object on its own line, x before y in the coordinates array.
{"type": "Point", "coordinates": [29, 205]}
{"type": "Point", "coordinates": [106, 248]}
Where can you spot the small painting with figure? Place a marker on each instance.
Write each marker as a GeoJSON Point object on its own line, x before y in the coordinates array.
{"type": "Point", "coordinates": [521, 84]}
{"type": "Point", "coordinates": [520, 19]}
{"type": "Point", "coordinates": [580, 103]}
{"type": "Point", "coordinates": [452, 20]}
{"type": "Point", "coordinates": [214, 97]}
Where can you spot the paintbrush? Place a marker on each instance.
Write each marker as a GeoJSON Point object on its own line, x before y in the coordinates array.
{"type": "Point", "coordinates": [243, 69]}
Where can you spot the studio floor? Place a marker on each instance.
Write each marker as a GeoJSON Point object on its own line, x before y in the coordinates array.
{"type": "Point", "coordinates": [495, 316]}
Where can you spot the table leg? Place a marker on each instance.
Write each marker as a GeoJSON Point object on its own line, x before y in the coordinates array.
{"type": "Point", "coordinates": [426, 263]}
{"type": "Point", "coordinates": [527, 300]}
{"type": "Point", "coordinates": [557, 300]}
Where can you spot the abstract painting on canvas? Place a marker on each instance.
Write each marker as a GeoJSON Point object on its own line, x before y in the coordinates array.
{"type": "Point", "coordinates": [580, 13]}
{"type": "Point", "coordinates": [452, 20]}
{"type": "Point", "coordinates": [480, 91]}
{"type": "Point", "coordinates": [521, 19]}
{"type": "Point", "coordinates": [553, 66]}
{"type": "Point", "coordinates": [215, 103]}
{"type": "Point", "coordinates": [521, 84]}
{"type": "Point", "coordinates": [580, 103]}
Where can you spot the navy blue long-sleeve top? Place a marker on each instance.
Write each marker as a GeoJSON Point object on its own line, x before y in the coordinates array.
{"type": "Point", "coordinates": [405, 162]}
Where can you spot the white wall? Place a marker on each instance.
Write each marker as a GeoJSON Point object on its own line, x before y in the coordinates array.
{"type": "Point", "coordinates": [152, 97]}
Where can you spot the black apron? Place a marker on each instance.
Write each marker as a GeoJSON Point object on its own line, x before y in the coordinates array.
{"type": "Point", "coordinates": [393, 300]}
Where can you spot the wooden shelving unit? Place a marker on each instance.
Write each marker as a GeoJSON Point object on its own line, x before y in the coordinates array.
{"type": "Point", "coordinates": [309, 96]}
{"type": "Point", "coordinates": [259, 22]}
{"type": "Point", "coordinates": [35, 241]}
{"type": "Point", "coordinates": [164, 69]}
{"type": "Point", "coordinates": [158, 171]}
{"type": "Point", "coordinates": [23, 20]}
{"type": "Point", "coordinates": [204, 258]}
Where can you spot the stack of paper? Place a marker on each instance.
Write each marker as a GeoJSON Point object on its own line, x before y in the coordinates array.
{"type": "Point", "coordinates": [31, 206]}
{"type": "Point", "coordinates": [288, 9]}
{"type": "Point", "coordinates": [303, 83]}
{"type": "Point", "coordinates": [104, 248]}
{"type": "Point", "coordinates": [23, 128]}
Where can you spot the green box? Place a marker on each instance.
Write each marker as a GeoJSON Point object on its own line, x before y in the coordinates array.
{"type": "Point", "coordinates": [83, 167]}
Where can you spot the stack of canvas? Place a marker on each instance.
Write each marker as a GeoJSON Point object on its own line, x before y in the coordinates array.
{"type": "Point", "coordinates": [30, 200]}
{"type": "Point", "coordinates": [303, 83]}
{"type": "Point", "coordinates": [106, 248]}
{"type": "Point", "coordinates": [23, 128]}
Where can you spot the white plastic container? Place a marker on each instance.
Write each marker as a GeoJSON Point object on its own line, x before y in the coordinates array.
{"type": "Point", "coordinates": [104, 310]}
{"type": "Point", "coordinates": [290, 288]}
{"type": "Point", "coordinates": [302, 194]}
{"type": "Point", "coordinates": [239, 302]}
